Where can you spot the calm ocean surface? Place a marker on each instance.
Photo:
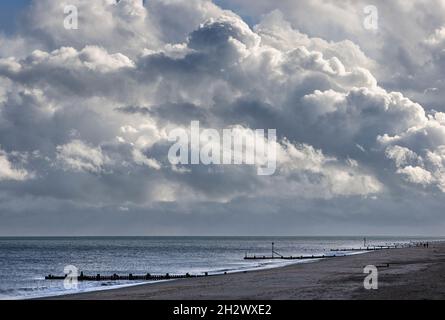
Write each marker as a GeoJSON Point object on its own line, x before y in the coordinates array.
{"type": "Point", "coordinates": [24, 262]}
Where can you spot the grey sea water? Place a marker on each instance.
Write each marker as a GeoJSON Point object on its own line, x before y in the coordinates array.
{"type": "Point", "coordinates": [24, 262]}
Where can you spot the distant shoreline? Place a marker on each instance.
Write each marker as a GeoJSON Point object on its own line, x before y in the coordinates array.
{"type": "Point", "coordinates": [413, 273]}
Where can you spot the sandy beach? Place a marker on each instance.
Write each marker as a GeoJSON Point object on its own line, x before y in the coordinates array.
{"type": "Point", "coordinates": [412, 273]}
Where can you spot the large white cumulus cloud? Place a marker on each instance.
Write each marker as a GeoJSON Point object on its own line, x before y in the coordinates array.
{"type": "Point", "coordinates": [94, 107]}
{"type": "Point", "coordinates": [404, 52]}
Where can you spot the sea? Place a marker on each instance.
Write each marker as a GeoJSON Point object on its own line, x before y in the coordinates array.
{"type": "Point", "coordinates": [25, 261]}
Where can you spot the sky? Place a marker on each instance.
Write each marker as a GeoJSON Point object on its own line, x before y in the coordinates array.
{"type": "Point", "coordinates": [10, 10]}
{"type": "Point", "coordinates": [354, 90]}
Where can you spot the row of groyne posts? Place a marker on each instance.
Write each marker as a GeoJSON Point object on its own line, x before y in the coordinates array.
{"type": "Point", "coordinates": [129, 277]}
{"type": "Point", "coordinates": [274, 255]}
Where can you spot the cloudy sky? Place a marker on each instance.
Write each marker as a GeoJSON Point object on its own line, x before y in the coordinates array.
{"type": "Point", "coordinates": [85, 116]}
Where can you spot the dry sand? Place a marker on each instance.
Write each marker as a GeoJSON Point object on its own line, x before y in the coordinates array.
{"type": "Point", "coordinates": [413, 273]}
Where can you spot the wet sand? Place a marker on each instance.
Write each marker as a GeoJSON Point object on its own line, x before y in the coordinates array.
{"type": "Point", "coordinates": [413, 273]}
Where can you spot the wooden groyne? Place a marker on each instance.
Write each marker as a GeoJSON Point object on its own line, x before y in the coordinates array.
{"type": "Point", "coordinates": [129, 277]}
{"type": "Point", "coordinates": [366, 249]}
{"type": "Point", "coordinates": [275, 255]}
{"type": "Point", "coordinates": [255, 257]}
{"type": "Point", "coordinates": [384, 247]}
